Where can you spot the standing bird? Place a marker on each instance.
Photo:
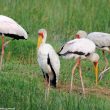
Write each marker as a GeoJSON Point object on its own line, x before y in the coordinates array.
{"type": "Point", "coordinates": [80, 49]}
{"type": "Point", "coordinates": [48, 60]}
{"type": "Point", "coordinates": [10, 28]}
{"type": "Point", "coordinates": [102, 42]}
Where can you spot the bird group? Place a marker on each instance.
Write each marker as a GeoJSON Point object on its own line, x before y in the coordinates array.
{"type": "Point", "coordinates": [82, 47]}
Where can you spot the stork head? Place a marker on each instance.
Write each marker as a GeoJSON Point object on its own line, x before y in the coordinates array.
{"type": "Point", "coordinates": [81, 34]}
{"type": "Point", "coordinates": [42, 35]}
{"type": "Point", "coordinates": [95, 58]}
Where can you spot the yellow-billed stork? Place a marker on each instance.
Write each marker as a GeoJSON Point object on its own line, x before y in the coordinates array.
{"type": "Point", "coordinates": [10, 28]}
{"type": "Point", "coordinates": [80, 49]}
{"type": "Point", "coordinates": [48, 60]}
{"type": "Point", "coordinates": [102, 42]}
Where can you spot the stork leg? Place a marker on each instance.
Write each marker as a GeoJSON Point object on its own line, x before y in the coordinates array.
{"type": "Point", "coordinates": [2, 53]}
{"type": "Point", "coordinates": [80, 72]}
{"type": "Point", "coordinates": [73, 70]}
{"type": "Point", "coordinates": [106, 60]}
{"type": "Point", "coordinates": [106, 66]}
{"type": "Point", "coordinates": [6, 43]}
{"type": "Point", "coordinates": [47, 91]}
{"type": "Point", "coordinates": [102, 73]}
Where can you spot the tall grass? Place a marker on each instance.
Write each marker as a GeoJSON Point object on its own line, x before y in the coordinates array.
{"type": "Point", "coordinates": [61, 17]}
{"type": "Point", "coordinates": [21, 81]}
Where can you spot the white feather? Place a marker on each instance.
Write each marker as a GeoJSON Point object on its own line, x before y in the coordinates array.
{"type": "Point", "coordinates": [78, 45]}
{"type": "Point", "coordinates": [9, 26]}
{"type": "Point", "coordinates": [43, 52]}
{"type": "Point", "coordinates": [100, 39]}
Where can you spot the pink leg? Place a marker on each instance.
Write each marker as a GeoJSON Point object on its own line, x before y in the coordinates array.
{"type": "Point", "coordinates": [7, 42]}
{"type": "Point", "coordinates": [106, 66]}
{"type": "Point", "coordinates": [80, 72]}
{"type": "Point", "coordinates": [2, 53]}
{"type": "Point", "coordinates": [47, 91]}
{"type": "Point", "coordinates": [106, 60]}
{"type": "Point", "coordinates": [73, 70]}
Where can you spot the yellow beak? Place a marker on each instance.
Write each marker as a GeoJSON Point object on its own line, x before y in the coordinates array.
{"type": "Point", "coordinates": [96, 71]}
{"type": "Point", "coordinates": [39, 41]}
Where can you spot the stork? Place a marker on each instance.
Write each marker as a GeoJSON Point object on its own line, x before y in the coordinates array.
{"type": "Point", "coordinates": [10, 28]}
{"type": "Point", "coordinates": [102, 42]}
{"type": "Point", "coordinates": [80, 49]}
{"type": "Point", "coordinates": [48, 60]}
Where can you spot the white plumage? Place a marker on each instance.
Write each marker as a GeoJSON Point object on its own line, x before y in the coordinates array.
{"type": "Point", "coordinates": [48, 59]}
{"type": "Point", "coordinates": [80, 49]}
{"type": "Point", "coordinates": [101, 40]}
{"type": "Point", "coordinates": [45, 52]}
{"type": "Point", "coordinates": [73, 47]}
{"type": "Point", "coordinates": [11, 28]}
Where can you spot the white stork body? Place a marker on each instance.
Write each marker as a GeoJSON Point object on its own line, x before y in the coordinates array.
{"type": "Point", "coordinates": [48, 60]}
{"type": "Point", "coordinates": [10, 28]}
{"type": "Point", "coordinates": [80, 49]}
{"type": "Point", "coordinates": [102, 42]}
{"type": "Point", "coordinates": [77, 48]}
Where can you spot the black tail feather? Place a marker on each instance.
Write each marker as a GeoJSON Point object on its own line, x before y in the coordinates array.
{"type": "Point", "coordinates": [53, 83]}
{"type": "Point", "coordinates": [58, 53]}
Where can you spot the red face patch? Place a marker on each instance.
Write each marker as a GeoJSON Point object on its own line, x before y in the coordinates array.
{"type": "Point", "coordinates": [95, 63]}
{"type": "Point", "coordinates": [77, 36]}
{"type": "Point", "coordinates": [41, 34]}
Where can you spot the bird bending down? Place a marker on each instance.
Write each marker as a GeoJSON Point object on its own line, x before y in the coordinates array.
{"type": "Point", "coordinates": [10, 28]}
{"type": "Point", "coordinates": [102, 42]}
{"type": "Point", "coordinates": [80, 49]}
{"type": "Point", "coordinates": [48, 60]}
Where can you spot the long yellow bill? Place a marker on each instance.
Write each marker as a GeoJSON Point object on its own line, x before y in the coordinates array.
{"type": "Point", "coordinates": [96, 71]}
{"type": "Point", "coordinates": [39, 41]}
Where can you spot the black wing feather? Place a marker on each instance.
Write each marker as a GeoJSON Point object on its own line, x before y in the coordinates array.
{"type": "Point", "coordinates": [52, 81]}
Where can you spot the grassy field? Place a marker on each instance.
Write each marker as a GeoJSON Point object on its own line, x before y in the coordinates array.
{"type": "Point", "coordinates": [21, 80]}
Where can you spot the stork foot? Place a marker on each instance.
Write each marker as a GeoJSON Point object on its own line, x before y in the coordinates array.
{"type": "Point", "coordinates": [101, 75]}
{"type": "Point", "coordinates": [106, 67]}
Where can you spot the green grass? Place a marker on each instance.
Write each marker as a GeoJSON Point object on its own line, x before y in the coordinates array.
{"type": "Point", "coordinates": [21, 80]}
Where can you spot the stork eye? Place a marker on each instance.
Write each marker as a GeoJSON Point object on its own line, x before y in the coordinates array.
{"type": "Point", "coordinates": [41, 34]}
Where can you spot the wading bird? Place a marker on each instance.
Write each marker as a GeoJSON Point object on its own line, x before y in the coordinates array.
{"type": "Point", "coordinates": [10, 28]}
{"type": "Point", "coordinates": [80, 49]}
{"type": "Point", "coordinates": [48, 60]}
{"type": "Point", "coordinates": [102, 41]}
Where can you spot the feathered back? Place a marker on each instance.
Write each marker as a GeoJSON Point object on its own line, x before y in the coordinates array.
{"type": "Point", "coordinates": [11, 28]}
